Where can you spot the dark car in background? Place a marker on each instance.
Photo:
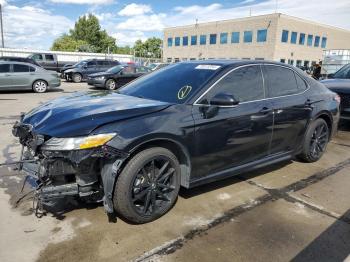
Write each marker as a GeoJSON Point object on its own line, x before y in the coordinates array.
{"type": "Point", "coordinates": [87, 67]}
{"type": "Point", "coordinates": [156, 66]}
{"type": "Point", "coordinates": [339, 82]}
{"type": "Point", "coordinates": [19, 59]}
{"type": "Point", "coordinates": [117, 76]}
{"type": "Point", "coordinates": [185, 125]}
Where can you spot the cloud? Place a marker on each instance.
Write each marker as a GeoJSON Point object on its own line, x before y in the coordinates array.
{"type": "Point", "coordinates": [83, 2]}
{"type": "Point", "coordinates": [32, 27]}
{"type": "Point", "coordinates": [153, 22]}
{"type": "Point", "coordinates": [129, 37]}
{"type": "Point", "coordinates": [135, 9]}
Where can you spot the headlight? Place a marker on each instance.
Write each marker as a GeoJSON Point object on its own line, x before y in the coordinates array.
{"type": "Point", "coordinates": [76, 143]}
{"type": "Point", "coordinates": [100, 78]}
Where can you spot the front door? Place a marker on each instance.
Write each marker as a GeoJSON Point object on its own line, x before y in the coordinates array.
{"type": "Point", "coordinates": [5, 77]}
{"type": "Point", "coordinates": [285, 88]}
{"type": "Point", "coordinates": [231, 136]}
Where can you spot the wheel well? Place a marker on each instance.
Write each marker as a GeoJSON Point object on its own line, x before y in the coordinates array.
{"type": "Point", "coordinates": [176, 149]}
{"type": "Point", "coordinates": [328, 120]}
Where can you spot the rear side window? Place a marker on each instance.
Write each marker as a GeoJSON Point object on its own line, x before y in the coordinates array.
{"type": "Point", "coordinates": [49, 58]}
{"type": "Point", "coordinates": [103, 63]}
{"type": "Point", "coordinates": [300, 82]}
{"type": "Point", "coordinates": [280, 81]}
{"type": "Point", "coordinates": [20, 68]}
{"type": "Point", "coordinates": [91, 63]}
{"type": "Point", "coordinates": [245, 84]}
{"type": "Point", "coordinates": [128, 70]}
{"type": "Point", "coordinates": [4, 68]}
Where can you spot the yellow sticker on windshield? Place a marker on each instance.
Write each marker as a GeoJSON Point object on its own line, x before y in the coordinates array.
{"type": "Point", "coordinates": [183, 92]}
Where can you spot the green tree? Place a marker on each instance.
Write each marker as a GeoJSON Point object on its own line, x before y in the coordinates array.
{"type": "Point", "coordinates": [150, 48]}
{"type": "Point", "coordinates": [88, 35]}
{"type": "Point", "coordinates": [67, 43]}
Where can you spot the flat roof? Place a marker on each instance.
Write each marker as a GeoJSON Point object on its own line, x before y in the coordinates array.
{"type": "Point", "coordinates": [272, 15]}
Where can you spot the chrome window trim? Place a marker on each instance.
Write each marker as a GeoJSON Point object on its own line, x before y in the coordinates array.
{"type": "Point", "coordinates": [196, 103]}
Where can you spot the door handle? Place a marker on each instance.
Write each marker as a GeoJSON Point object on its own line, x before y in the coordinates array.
{"type": "Point", "coordinates": [265, 110]}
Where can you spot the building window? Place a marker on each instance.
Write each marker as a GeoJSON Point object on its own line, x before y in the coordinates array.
{"type": "Point", "coordinates": [212, 39]}
{"type": "Point", "coordinates": [324, 42]}
{"type": "Point", "coordinates": [317, 41]}
{"type": "Point", "coordinates": [193, 40]}
{"type": "Point", "coordinates": [203, 39]}
{"type": "Point", "coordinates": [248, 36]}
{"type": "Point", "coordinates": [259, 58]}
{"type": "Point", "coordinates": [298, 63]}
{"type": "Point", "coordinates": [223, 38]}
{"type": "Point", "coordinates": [282, 60]}
{"type": "Point", "coordinates": [169, 59]}
{"type": "Point", "coordinates": [176, 60]}
{"type": "Point", "coordinates": [262, 35]}
{"type": "Point", "coordinates": [310, 38]}
{"type": "Point", "coordinates": [285, 34]}
{"type": "Point", "coordinates": [185, 40]}
{"type": "Point", "coordinates": [302, 39]}
{"type": "Point", "coordinates": [293, 37]}
{"type": "Point", "coordinates": [235, 37]}
{"type": "Point", "coordinates": [177, 41]}
{"type": "Point", "coordinates": [170, 41]}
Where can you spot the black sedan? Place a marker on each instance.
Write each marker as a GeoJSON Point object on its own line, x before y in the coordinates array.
{"type": "Point", "coordinates": [340, 83]}
{"type": "Point", "coordinates": [117, 76]}
{"type": "Point", "coordinates": [185, 125]}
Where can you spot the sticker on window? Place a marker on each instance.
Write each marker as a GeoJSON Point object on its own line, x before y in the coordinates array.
{"type": "Point", "coordinates": [207, 67]}
{"type": "Point", "coordinates": [183, 92]}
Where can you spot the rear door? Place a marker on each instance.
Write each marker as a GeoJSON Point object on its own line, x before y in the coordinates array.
{"type": "Point", "coordinates": [5, 76]}
{"type": "Point", "coordinates": [50, 63]}
{"type": "Point", "coordinates": [22, 77]}
{"type": "Point", "coordinates": [290, 107]}
{"type": "Point", "coordinates": [89, 68]}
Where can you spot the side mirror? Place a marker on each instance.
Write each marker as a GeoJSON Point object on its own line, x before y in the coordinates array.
{"type": "Point", "coordinates": [330, 76]}
{"type": "Point", "coordinates": [223, 99]}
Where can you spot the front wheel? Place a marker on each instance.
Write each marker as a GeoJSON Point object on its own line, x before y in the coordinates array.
{"type": "Point", "coordinates": [316, 140]}
{"type": "Point", "coordinates": [77, 78]}
{"type": "Point", "coordinates": [148, 186]}
{"type": "Point", "coordinates": [40, 86]}
{"type": "Point", "coordinates": [111, 84]}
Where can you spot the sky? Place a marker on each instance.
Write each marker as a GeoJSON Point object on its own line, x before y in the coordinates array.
{"type": "Point", "coordinates": [35, 24]}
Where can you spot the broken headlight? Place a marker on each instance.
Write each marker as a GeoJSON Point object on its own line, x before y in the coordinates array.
{"type": "Point", "coordinates": [76, 143]}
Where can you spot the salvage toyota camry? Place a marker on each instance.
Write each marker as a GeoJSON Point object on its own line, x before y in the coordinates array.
{"type": "Point", "coordinates": [187, 124]}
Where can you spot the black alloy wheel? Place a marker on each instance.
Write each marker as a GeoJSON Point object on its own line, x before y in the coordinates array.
{"type": "Point", "coordinates": [316, 140]}
{"type": "Point", "coordinates": [148, 185]}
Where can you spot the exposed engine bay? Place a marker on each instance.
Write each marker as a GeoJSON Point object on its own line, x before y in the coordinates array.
{"type": "Point", "coordinates": [85, 173]}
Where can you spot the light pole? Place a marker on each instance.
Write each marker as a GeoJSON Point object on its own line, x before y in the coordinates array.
{"type": "Point", "coordinates": [2, 28]}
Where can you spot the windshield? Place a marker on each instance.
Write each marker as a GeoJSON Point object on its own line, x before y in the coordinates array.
{"type": "Point", "coordinates": [173, 84]}
{"type": "Point", "coordinates": [343, 72]}
{"type": "Point", "coordinates": [115, 69]}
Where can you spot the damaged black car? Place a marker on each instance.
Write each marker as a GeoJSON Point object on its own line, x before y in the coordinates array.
{"type": "Point", "coordinates": [185, 125]}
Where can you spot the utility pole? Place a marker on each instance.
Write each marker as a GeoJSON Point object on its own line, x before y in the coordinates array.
{"type": "Point", "coordinates": [2, 28]}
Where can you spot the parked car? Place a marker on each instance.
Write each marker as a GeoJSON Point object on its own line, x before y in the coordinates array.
{"type": "Point", "coordinates": [22, 76]}
{"type": "Point", "coordinates": [339, 82]}
{"type": "Point", "coordinates": [87, 67]}
{"type": "Point", "coordinates": [117, 76]}
{"type": "Point", "coordinates": [156, 66]}
{"type": "Point", "coordinates": [185, 125]}
{"type": "Point", "coordinates": [19, 59]}
{"type": "Point", "coordinates": [64, 68]}
{"type": "Point", "coordinates": [49, 61]}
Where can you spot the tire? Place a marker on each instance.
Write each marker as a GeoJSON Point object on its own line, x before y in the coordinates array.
{"type": "Point", "coordinates": [111, 84]}
{"type": "Point", "coordinates": [137, 196]}
{"type": "Point", "coordinates": [39, 86]}
{"type": "Point", "coordinates": [316, 140]}
{"type": "Point", "coordinates": [76, 78]}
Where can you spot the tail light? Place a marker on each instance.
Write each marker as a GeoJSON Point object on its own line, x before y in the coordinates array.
{"type": "Point", "coordinates": [337, 98]}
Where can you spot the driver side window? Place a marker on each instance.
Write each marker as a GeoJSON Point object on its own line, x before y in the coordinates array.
{"type": "Point", "coordinates": [244, 84]}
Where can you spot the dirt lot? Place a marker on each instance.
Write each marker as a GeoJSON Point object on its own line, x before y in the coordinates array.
{"type": "Point", "coordinates": [290, 211]}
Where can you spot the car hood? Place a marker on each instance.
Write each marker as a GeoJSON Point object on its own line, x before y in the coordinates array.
{"type": "Point", "coordinates": [337, 85]}
{"type": "Point", "coordinates": [79, 114]}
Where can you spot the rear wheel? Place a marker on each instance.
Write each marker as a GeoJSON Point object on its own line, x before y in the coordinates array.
{"type": "Point", "coordinates": [40, 86]}
{"type": "Point", "coordinates": [110, 84]}
{"type": "Point", "coordinates": [77, 78]}
{"type": "Point", "coordinates": [148, 185]}
{"type": "Point", "coordinates": [316, 140]}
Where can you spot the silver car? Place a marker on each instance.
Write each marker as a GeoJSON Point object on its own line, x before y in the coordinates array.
{"type": "Point", "coordinates": [20, 76]}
